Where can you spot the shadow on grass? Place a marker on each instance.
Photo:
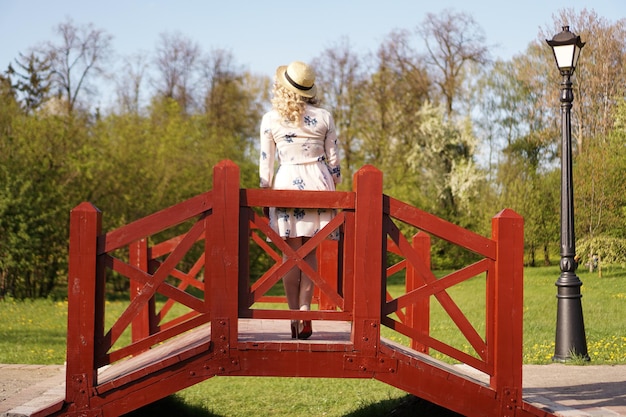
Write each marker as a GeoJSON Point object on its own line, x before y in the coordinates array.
{"type": "Point", "coordinates": [171, 406]}
{"type": "Point", "coordinates": [408, 406]}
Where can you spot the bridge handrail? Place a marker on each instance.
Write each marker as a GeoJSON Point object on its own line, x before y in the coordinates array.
{"type": "Point", "coordinates": [365, 216]}
{"type": "Point", "coordinates": [155, 223]}
{"type": "Point", "coordinates": [439, 227]}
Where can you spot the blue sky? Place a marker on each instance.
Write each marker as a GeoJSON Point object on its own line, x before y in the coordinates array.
{"type": "Point", "coordinates": [264, 34]}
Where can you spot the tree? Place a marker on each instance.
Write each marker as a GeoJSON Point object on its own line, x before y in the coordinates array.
{"type": "Point", "coordinates": [600, 182]}
{"type": "Point", "coordinates": [513, 104]}
{"type": "Point", "coordinates": [341, 78]}
{"type": "Point", "coordinates": [392, 97]}
{"type": "Point", "coordinates": [598, 94]}
{"type": "Point", "coordinates": [233, 106]}
{"type": "Point", "coordinates": [532, 191]}
{"type": "Point", "coordinates": [600, 78]}
{"type": "Point", "coordinates": [452, 41]}
{"type": "Point", "coordinates": [177, 59]}
{"type": "Point", "coordinates": [83, 51]}
{"type": "Point", "coordinates": [38, 177]}
{"type": "Point", "coordinates": [601, 75]}
{"type": "Point", "coordinates": [229, 107]}
{"type": "Point", "coordinates": [427, 160]}
{"type": "Point", "coordinates": [130, 83]}
{"type": "Point", "coordinates": [34, 84]}
{"type": "Point", "coordinates": [441, 158]}
{"type": "Point", "coordinates": [9, 107]}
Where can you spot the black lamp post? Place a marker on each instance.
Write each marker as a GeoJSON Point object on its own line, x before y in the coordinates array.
{"type": "Point", "coordinates": [570, 327]}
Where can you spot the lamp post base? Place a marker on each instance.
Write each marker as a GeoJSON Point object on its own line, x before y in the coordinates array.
{"type": "Point", "coordinates": [570, 341]}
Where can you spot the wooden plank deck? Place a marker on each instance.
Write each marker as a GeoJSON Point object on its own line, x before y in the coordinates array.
{"type": "Point", "coordinates": [324, 331]}
{"type": "Point", "coordinates": [259, 334]}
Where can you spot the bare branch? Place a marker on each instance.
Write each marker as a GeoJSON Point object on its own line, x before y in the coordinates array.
{"type": "Point", "coordinates": [452, 41]}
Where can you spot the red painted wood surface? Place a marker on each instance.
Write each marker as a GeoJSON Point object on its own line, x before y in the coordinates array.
{"type": "Point", "coordinates": [82, 328]}
{"type": "Point", "coordinates": [214, 319]}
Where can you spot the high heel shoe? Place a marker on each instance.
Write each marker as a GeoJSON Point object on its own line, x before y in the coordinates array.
{"type": "Point", "coordinates": [294, 328]}
{"type": "Point", "coordinates": [307, 330]}
{"type": "Point", "coordinates": [301, 329]}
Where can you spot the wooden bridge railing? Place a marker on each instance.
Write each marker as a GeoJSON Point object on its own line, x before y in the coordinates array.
{"type": "Point", "coordinates": [202, 275]}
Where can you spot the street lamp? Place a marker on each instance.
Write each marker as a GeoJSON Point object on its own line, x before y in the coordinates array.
{"type": "Point", "coordinates": [570, 327]}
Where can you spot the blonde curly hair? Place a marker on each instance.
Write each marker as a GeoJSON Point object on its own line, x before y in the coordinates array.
{"type": "Point", "coordinates": [290, 105]}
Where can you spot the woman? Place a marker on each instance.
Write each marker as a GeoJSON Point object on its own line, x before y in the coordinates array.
{"type": "Point", "coordinates": [305, 138]}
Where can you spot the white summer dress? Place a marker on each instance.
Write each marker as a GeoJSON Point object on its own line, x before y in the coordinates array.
{"type": "Point", "coordinates": [309, 160]}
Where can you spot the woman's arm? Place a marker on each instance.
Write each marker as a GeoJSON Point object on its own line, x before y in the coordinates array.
{"type": "Point", "coordinates": [268, 154]}
{"type": "Point", "coordinates": [331, 147]}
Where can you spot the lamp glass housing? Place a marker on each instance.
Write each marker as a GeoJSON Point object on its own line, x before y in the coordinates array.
{"type": "Point", "coordinates": [566, 47]}
{"type": "Point", "coordinates": [566, 56]}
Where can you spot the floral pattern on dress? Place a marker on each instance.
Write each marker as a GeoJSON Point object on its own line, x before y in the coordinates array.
{"type": "Point", "coordinates": [299, 183]}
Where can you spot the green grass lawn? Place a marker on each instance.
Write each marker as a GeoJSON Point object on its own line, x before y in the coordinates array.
{"type": "Point", "coordinates": [33, 332]}
{"type": "Point", "coordinates": [604, 309]}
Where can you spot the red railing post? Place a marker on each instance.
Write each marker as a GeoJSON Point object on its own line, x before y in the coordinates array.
{"type": "Point", "coordinates": [508, 233]}
{"type": "Point", "coordinates": [85, 315]}
{"type": "Point", "coordinates": [327, 258]}
{"type": "Point", "coordinates": [418, 315]}
{"type": "Point", "coordinates": [143, 324]}
{"type": "Point", "coordinates": [369, 268]}
{"type": "Point", "coordinates": [222, 255]}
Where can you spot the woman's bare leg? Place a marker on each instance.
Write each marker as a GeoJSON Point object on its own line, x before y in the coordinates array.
{"type": "Point", "coordinates": [306, 284]}
{"type": "Point", "coordinates": [299, 291]}
{"type": "Point", "coordinates": [291, 280]}
{"type": "Point", "coordinates": [298, 286]}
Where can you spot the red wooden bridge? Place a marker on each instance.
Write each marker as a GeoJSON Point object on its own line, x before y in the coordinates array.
{"type": "Point", "coordinates": [195, 312]}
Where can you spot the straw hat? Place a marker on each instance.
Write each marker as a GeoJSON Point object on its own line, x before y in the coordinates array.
{"type": "Point", "coordinates": [297, 77]}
